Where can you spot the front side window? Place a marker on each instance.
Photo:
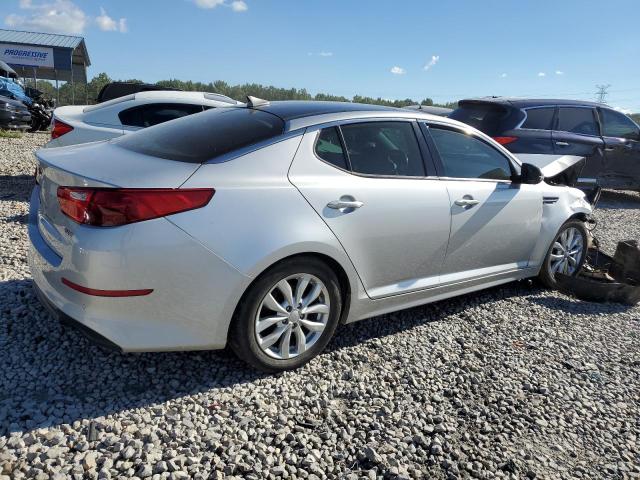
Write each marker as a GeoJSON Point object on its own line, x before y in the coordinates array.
{"type": "Point", "coordinates": [329, 148]}
{"type": "Point", "coordinates": [577, 120]}
{"type": "Point", "coordinates": [383, 148]}
{"type": "Point", "coordinates": [618, 125]}
{"type": "Point", "coordinates": [464, 156]}
{"type": "Point", "coordinates": [539, 118]}
{"type": "Point", "coordinates": [153, 114]}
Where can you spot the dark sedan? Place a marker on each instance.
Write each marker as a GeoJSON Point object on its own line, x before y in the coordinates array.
{"type": "Point", "coordinates": [608, 139]}
{"type": "Point", "coordinates": [14, 115]}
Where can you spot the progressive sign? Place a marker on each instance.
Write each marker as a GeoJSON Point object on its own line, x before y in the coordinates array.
{"type": "Point", "coordinates": [26, 55]}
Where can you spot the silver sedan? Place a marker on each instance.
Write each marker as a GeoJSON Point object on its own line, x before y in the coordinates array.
{"type": "Point", "coordinates": [265, 227]}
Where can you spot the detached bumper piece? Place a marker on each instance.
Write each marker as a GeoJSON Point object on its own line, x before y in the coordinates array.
{"type": "Point", "coordinates": [607, 279]}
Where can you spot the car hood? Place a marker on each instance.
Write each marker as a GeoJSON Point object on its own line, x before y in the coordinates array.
{"type": "Point", "coordinates": [557, 169]}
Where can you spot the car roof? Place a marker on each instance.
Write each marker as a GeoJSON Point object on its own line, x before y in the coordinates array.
{"type": "Point", "coordinates": [530, 102]}
{"type": "Point", "coordinates": [288, 110]}
{"type": "Point", "coordinates": [305, 113]}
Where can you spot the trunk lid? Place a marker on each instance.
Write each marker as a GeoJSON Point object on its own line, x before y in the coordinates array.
{"type": "Point", "coordinates": [95, 165]}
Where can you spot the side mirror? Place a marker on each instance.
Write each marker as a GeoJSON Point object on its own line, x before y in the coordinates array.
{"type": "Point", "coordinates": [530, 174]}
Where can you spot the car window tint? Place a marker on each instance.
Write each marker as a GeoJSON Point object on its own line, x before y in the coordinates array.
{"type": "Point", "coordinates": [383, 148]}
{"type": "Point", "coordinates": [539, 118]}
{"type": "Point", "coordinates": [329, 148]}
{"type": "Point", "coordinates": [486, 117]}
{"type": "Point", "coordinates": [618, 125]}
{"type": "Point", "coordinates": [464, 156]}
{"type": "Point", "coordinates": [156, 113]}
{"type": "Point", "coordinates": [203, 137]}
{"type": "Point", "coordinates": [577, 120]}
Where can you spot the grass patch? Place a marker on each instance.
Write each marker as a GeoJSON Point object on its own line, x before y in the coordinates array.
{"type": "Point", "coordinates": [10, 134]}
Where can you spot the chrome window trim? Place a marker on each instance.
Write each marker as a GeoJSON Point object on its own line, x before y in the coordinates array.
{"type": "Point", "coordinates": [519, 125]}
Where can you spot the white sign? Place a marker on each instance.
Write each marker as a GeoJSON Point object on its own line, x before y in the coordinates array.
{"type": "Point", "coordinates": [26, 55]}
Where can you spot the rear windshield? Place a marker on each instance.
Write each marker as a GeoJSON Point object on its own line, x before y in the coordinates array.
{"type": "Point", "coordinates": [204, 136]}
{"type": "Point", "coordinates": [485, 117]}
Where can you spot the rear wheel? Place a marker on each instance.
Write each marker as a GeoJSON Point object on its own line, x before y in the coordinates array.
{"type": "Point", "coordinates": [287, 316]}
{"type": "Point", "coordinates": [566, 254]}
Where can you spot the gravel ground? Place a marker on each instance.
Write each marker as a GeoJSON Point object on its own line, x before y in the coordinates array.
{"type": "Point", "coordinates": [512, 382]}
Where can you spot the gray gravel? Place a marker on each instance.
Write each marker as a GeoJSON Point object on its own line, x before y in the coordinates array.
{"type": "Point", "coordinates": [513, 382]}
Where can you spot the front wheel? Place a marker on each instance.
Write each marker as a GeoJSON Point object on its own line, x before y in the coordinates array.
{"type": "Point", "coordinates": [566, 254]}
{"type": "Point", "coordinates": [287, 316]}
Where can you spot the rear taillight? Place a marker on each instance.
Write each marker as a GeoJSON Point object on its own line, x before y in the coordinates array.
{"type": "Point", "coordinates": [110, 207]}
{"type": "Point", "coordinates": [59, 128]}
{"type": "Point", "coordinates": [505, 140]}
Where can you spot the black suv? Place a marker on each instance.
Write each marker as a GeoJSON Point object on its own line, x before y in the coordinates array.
{"type": "Point", "coordinates": [608, 139]}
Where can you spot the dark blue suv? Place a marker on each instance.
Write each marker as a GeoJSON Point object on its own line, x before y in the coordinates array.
{"type": "Point", "coordinates": [608, 139]}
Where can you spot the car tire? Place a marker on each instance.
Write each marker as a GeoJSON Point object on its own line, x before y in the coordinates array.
{"type": "Point", "coordinates": [302, 321]}
{"type": "Point", "coordinates": [572, 237]}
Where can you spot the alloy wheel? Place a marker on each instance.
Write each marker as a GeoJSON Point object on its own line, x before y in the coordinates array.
{"type": "Point", "coordinates": [292, 316]}
{"type": "Point", "coordinates": [566, 252]}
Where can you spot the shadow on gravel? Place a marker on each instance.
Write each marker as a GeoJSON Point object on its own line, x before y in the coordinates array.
{"type": "Point", "coordinates": [579, 307]}
{"type": "Point", "coordinates": [20, 187]}
{"type": "Point", "coordinates": [619, 200]}
{"type": "Point", "coordinates": [23, 219]}
{"type": "Point", "coordinates": [51, 375]}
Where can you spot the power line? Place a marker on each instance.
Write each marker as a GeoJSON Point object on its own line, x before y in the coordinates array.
{"type": "Point", "coordinates": [602, 92]}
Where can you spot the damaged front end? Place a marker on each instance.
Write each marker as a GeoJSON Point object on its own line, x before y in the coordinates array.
{"type": "Point", "coordinates": [564, 170]}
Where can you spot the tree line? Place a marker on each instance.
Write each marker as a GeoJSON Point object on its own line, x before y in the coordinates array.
{"type": "Point", "coordinates": [88, 93]}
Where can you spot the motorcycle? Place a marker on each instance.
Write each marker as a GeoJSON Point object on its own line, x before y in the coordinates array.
{"type": "Point", "coordinates": [41, 110]}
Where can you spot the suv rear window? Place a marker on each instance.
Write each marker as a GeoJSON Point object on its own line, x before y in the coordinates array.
{"type": "Point", "coordinates": [539, 118]}
{"type": "Point", "coordinates": [204, 136]}
{"type": "Point", "coordinates": [485, 117]}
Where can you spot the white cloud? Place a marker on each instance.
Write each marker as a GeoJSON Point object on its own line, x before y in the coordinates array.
{"type": "Point", "coordinates": [542, 74]}
{"type": "Point", "coordinates": [57, 16]}
{"type": "Point", "coordinates": [398, 70]}
{"type": "Point", "coordinates": [504, 75]}
{"type": "Point", "coordinates": [434, 59]}
{"type": "Point", "coordinates": [626, 111]}
{"type": "Point", "coordinates": [108, 24]}
{"type": "Point", "coordinates": [559, 72]}
{"type": "Point", "coordinates": [235, 5]}
{"type": "Point", "coordinates": [239, 6]}
{"type": "Point", "coordinates": [209, 3]}
{"type": "Point", "coordinates": [326, 54]}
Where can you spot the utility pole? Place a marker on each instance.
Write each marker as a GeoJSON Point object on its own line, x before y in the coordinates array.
{"type": "Point", "coordinates": [601, 93]}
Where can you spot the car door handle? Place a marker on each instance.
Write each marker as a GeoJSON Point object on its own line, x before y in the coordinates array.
{"type": "Point", "coordinates": [562, 144]}
{"type": "Point", "coordinates": [340, 204]}
{"type": "Point", "coordinates": [466, 202]}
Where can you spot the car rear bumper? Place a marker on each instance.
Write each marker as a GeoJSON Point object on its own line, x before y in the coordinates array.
{"type": "Point", "coordinates": [194, 291]}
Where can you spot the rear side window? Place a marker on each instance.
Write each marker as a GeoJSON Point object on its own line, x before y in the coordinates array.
{"type": "Point", "coordinates": [329, 148]}
{"type": "Point", "coordinates": [203, 137]}
{"type": "Point", "coordinates": [539, 118]}
{"type": "Point", "coordinates": [464, 156]}
{"type": "Point", "coordinates": [156, 113]}
{"type": "Point", "coordinates": [577, 120]}
{"type": "Point", "coordinates": [618, 125]}
{"type": "Point", "coordinates": [485, 117]}
{"type": "Point", "coordinates": [383, 148]}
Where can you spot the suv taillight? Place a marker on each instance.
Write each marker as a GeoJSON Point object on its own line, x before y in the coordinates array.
{"type": "Point", "coordinates": [110, 207]}
{"type": "Point", "coordinates": [505, 140]}
{"type": "Point", "coordinates": [59, 129]}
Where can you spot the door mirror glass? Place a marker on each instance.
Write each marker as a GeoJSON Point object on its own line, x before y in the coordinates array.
{"type": "Point", "coordinates": [530, 174]}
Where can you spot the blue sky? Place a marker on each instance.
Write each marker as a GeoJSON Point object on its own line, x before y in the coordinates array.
{"type": "Point", "coordinates": [542, 48]}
